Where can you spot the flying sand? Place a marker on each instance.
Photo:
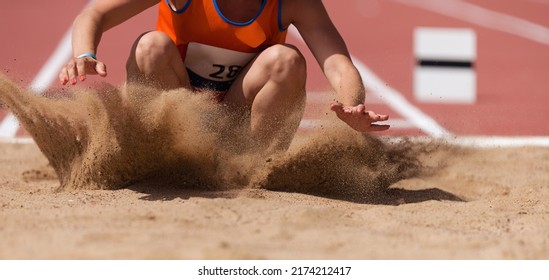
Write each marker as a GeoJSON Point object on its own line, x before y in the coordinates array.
{"type": "Point", "coordinates": [110, 138]}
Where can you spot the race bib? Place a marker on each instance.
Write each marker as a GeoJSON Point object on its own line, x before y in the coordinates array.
{"type": "Point", "coordinates": [216, 64]}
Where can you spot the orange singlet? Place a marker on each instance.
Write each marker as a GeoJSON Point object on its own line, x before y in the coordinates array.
{"type": "Point", "coordinates": [214, 49]}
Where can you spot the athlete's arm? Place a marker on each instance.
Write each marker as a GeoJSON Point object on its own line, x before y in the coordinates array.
{"type": "Point", "coordinates": [328, 47]}
{"type": "Point", "coordinates": [89, 26]}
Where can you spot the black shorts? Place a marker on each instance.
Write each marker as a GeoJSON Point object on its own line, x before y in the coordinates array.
{"type": "Point", "coordinates": [219, 88]}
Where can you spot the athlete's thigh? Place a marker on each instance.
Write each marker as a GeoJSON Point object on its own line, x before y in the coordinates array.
{"type": "Point", "coordinates": [156, 53]}
{"type": "Point", "coordinates": [260, 70]}
{"type": "Point", "coordinates": [248, 82]}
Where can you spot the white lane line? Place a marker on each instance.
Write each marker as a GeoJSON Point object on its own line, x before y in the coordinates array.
{"type": "Point", "coordinates": [18, 140]}
{"type": "Point", "coordinates": [398, 102]}
{"type": "Point", "coordinates": [494, 142]}
{"type": "Point", "coordinates": [484, 17]}
{"type": "Point", "coordinates": [394, 99]}
{"type": "Point", "coordinates": [48, 73]}
{"type": "Point", "coordinates": [42, 81]}
{"type": "Point", "coordinates": [9, 126]}
{"type": "Point", "coordinates": [471, 142]}
{"type": "Point", "coordinates": [480, 141]}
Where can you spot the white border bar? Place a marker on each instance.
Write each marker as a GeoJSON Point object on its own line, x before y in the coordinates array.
{"type": "Point", "coordinates": [289, 269]}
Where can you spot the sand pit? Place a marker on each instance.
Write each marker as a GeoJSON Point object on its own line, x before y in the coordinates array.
{"type": "Point", "coordinates": [144, 175]}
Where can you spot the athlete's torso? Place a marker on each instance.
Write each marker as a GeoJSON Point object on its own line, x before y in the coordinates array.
{"type": "Point", "coordinates": [213, 46]}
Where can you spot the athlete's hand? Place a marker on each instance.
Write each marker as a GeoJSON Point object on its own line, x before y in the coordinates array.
{"type": "Point", "coordinates": [77, 69]}
{"type": "Point", "coordinates": [359, 119]}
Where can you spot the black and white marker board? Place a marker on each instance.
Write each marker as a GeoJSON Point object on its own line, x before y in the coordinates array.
{"type": "Point", "coordinates": [445, 65]}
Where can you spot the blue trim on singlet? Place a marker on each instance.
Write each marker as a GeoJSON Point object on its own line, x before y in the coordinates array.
{"type": "Point", "coordinates": [280, 26]}
{"type": "Point", "coordinates": [180, 11]}
{"type": "Point", "coordinates": [239, 23]}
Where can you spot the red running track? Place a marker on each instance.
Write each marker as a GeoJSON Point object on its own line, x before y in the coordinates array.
{"type": "Point", "coordinates": [512, 70]}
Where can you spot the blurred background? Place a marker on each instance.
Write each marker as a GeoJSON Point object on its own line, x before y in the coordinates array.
{"type": "Point", "coordinates": [437, 67]}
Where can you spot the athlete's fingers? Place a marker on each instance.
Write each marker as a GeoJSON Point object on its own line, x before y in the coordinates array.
{"type": "Point", "coordinates": [101, 68]}
{"type": "Point", "coordinates": [376, 117]}
{"type": "Point", "coordinates": [63, 76]}
{"type": "Point", "coordinates": [359, 109]}
{"type": "Point", "coordinates": [337, 108]}
{"type": "Point", "coordinates": [72, 72]}
{"type": "Point", "coordinates": [81, 68]}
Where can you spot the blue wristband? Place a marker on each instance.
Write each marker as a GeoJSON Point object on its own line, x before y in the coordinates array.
{"type": "Point", "coordinates": [87, 55]}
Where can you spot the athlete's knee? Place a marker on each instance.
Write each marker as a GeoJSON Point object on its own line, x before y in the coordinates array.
{"type": "Point", "coordinates": [286, 63]}
{"type": "Point", "coordinates": [152, 46]}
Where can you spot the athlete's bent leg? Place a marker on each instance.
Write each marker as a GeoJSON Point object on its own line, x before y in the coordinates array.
{"type": "Point", "coordinates": [272, 88]}
{"type": "Point", "coordinates": [155, 60]}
